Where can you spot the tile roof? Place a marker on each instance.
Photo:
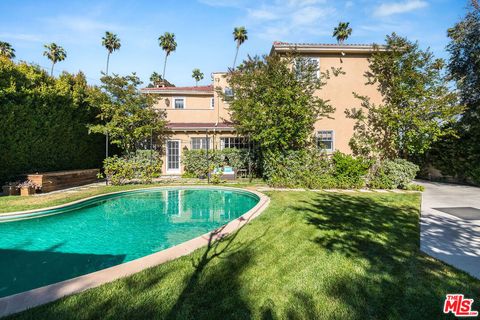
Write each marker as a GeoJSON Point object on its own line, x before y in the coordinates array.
{"type": "Point", "coordinates": [208, 88]}
{"type": "Point", "coordinates": [196, 125]}
{"type": "Point", "coordinates": [310, 44]}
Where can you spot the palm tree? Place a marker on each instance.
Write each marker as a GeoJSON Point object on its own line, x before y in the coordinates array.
{"type": "Point", "coordinates": [6, 50]}
{"type": "Point", "coordinates": [197, 75]}
{"type": "Point", "coordinates": [54, 53]}
{"type": "Point", "coordinates": [342, 32]}
{"type": "Point", "coordinates": [168, 44]}
{"type": "Point", "coordinates": [112, 43]}
{"type": "Point", "coordinates": [240, 36]}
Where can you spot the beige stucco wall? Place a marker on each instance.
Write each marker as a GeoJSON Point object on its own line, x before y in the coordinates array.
{"type": "Point", "coordinates": [338, 90]}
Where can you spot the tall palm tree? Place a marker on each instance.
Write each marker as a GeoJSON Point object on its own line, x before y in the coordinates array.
{"type": "Point", "coordinates": [54, 53]}
{"type": "Point", "coordinates": [6, 50]}
{"type": "Point", "coordinates": [111, 42]}
{"type": "Point", "coordinates": [240, 36]}
{"type": "Point", "coordinates": [168, 44]}
{"type": "Point", "coordinates": [342, 32]}
{"type": "Point", "coordinates": [197, 75]}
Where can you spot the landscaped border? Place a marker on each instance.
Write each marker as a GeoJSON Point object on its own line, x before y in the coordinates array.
{"type": "Point", "coordinates": [36, 297]}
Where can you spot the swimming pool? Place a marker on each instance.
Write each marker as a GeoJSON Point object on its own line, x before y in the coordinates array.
{"type": "Point", "coordinates": [64, 243]}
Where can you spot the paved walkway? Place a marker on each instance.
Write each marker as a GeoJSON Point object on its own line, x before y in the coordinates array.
{"type": "Point", "coordinates": [447, 237]}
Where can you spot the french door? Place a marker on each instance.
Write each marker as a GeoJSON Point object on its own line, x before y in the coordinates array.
{"type": "Point", "coordinates": [173, 156]}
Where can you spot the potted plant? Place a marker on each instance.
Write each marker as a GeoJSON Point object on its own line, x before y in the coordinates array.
{"type": "Point", "coordinates": [27, 188]}
{"type": "Point", "coordinates": [11, 189]}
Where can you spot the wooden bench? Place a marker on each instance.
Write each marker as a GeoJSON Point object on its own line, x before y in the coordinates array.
{"type": "Point", "coordinates": [50, 181]}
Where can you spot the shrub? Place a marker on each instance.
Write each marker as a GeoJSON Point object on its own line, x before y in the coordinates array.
{"type": "Point", "coordinates": [196, 164]}
{"type": "Point", "coordinates": [349, 171]}
{"type": "Point", "coordinates": [142, 165]}
{"type": "Point", "coordinates": [314, 170]}
{"type": "Point", "coordinates": [391, 174]}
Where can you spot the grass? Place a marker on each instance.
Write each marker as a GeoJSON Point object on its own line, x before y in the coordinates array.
{"type": "Point", "coordinates": [17, 203]}
{"type": "Point", "coordinates": [308, 256]}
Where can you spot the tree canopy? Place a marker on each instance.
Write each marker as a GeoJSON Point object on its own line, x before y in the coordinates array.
{"type": "Point", "coordinates": [274, 105]}
{"type": "Point", "coordinates": [127, 115]}
{"type": "Point", "coordinates": [416, 107]}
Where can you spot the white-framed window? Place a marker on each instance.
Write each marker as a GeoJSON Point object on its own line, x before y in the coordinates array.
{"type": "Point", "coordinates": [199, 143]}
{"type": "Point", "coordinates": [233, 142]}
{"type": "Point", "coordinates": [303, 64]}
{"type": "Point", "coordinates": [212, 103]}
{"type": "Point", "coordinates": [179, 103]}
{"type": "Point", "coordinates": [325, 140]}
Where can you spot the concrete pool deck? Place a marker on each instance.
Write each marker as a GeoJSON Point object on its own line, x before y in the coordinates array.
{"type": "Point", "coordinates": [447, 237]}
{"type": "Point", "coordinates": [36, 297]}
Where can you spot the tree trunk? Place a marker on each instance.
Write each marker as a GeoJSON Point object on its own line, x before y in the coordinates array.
{"type": "Point", "coordinates": [51, 70]}
{"type": "Point", "coordinates": [164, 67]}
{"type": "Point", "coordinates": [236, 54]}
{"type": "Point", "coordinates": [108, 61]}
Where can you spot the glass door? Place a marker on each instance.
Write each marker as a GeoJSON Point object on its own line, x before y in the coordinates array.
{"type": "Point", "coordinates": [173, 156]}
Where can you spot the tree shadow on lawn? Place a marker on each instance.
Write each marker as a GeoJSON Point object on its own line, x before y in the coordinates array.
{"type": "Point", "coordinates": [210, 290]}
{"type": "Point", "coordinates": [394, 279]}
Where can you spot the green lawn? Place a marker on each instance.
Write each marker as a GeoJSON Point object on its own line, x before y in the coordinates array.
{"type": "Point", "coordinates": [309, 255]}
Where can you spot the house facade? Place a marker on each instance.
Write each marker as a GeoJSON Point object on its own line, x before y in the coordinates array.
{"type": "Point", "coordinates": [198, 118]}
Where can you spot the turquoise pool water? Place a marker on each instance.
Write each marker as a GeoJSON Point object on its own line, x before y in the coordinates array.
{"type": "Point", "coordinates": [110, 230]}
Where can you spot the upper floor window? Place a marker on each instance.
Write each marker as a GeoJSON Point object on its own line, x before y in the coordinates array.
{"type": "Point", "coordinates": [228, 92]}
{"type": "Point", "coordinates": [233, 142]}
{"type": "Point", "coordinates": [200, 143]}
{"type": "Point", "coordinates": [325, 140]}
{"type": "Point", "coordinates": [179, 103]}
{"type": "Point", "coordinates": [212, 103]}
{"type": "Point", "coordinates": [306, 66]}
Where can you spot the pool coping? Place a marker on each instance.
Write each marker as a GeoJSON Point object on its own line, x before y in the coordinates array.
{"type": "Point", "coordinates": [49, 293]}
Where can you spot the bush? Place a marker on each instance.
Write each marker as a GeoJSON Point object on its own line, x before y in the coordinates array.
{"type": "Point", "coordinates": [196, 164]}
{"type": "Point", "coordinates": [314, 170]}
{"type": "Point", "coordinates": [349, 171]}
{"type": "Point", "coordinates": [391, 174]}
{"type": "Point", "coordinates": [142, 165]}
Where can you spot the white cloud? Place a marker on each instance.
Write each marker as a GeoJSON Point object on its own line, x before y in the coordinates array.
{"type": "Point", "coordinates": [387, 9]}
{"type": "Point", "coordinates": [22, 36]}
{"type": "Point", "coordinates": [283, 20]}
{"type": "Point", "coordinates": [262, 14]}
{"type": "Point", "coordinates": [82, 24]}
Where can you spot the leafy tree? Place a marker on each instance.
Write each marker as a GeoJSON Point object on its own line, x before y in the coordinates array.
{"type": "Point", "coordinates": [274, 105]}
{"type": "Point", "coordinates": [54, 53]}
{"type": "Point", "coordinates": [168, 44]}
{"type": "Point", "coordinates": [156, 81]}
{"type": "Point", "coordinates": [460, 155]}
{"type": "Point", "coordinates": [416, 104]}
{"type": "Point", "coordinates": [197, 75]}
{"type": "Point", "coordinates": [240, 36]}
{"type": "Point", "coordinates": [6, 50]}
{"type": "Point", "coordinates": [111, 42]}
{"type": "Point", "coordinates": [342, 32]}
{"type": "Point", "coordinates": [127, 115]}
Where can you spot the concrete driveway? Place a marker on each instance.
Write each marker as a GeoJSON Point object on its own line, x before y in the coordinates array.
{"type": "Point", "coordinates": [452, 237]}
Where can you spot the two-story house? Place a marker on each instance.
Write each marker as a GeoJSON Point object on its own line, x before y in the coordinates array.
{"type": "Point", "coordinates": [199, 118]}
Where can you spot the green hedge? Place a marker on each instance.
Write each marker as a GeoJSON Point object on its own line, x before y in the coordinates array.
{"type": "Point", "coordinates": [196, 164]}
{"type": "Point", "coordinates": [143, 165]}
{"type": "Point", "coordinates": [44, 122]}
{"type": "Point", "coordinates": [315, 170]}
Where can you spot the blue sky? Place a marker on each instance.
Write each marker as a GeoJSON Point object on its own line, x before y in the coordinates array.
{"type": "Point", "coordinates": [203, 29]}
